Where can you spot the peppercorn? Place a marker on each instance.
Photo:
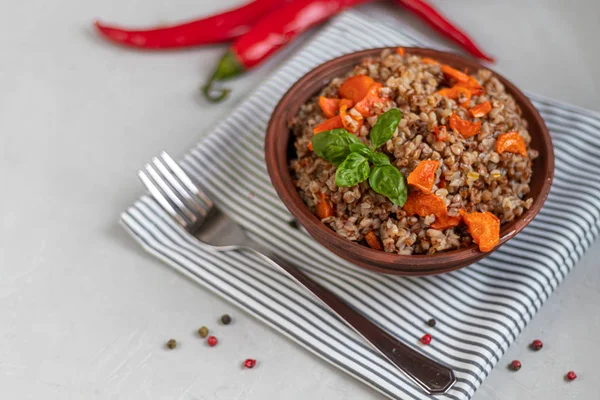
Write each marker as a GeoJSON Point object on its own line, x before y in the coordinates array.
{"type": "Point", "coordinates": [226, 319]}
{"type": "Point", "coordinates": [249, 363]}
{"type": "Point", "coordinates": [431, 322]}
{"type": "Point", "coordinates": [172, 343]}
{"type": "Point", "coordinates": [571, 376]}
{"type": "Point", "coordinates": [212, 341]}
{"type": "Point", "coordinates": [203, 332]}
{"type": "Point", "coordinates": [537, 345]}
{"type": "Point", "coordinates": [515, 365]}
{"type": "Point", "coordinates": [426, 339]}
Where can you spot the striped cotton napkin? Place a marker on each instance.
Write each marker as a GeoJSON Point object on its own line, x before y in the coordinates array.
{"type": "Point", "coordinates": [480, 309]}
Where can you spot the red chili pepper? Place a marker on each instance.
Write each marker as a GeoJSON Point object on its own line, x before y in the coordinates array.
{"type": "Point", "coordinates": [214, 29]}
{"type": "Point", "coordinates": [269, 34]}
{"type": "Point", "coordinates": [440, 23]}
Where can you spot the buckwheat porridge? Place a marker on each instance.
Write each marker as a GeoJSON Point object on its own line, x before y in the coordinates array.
{"type": "Point", "coordinates": [410, 156]}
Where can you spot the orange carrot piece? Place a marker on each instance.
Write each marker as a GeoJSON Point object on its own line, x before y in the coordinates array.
{"type": "Point", "coordinates": [454, 73]}
{"type": "Point", "coordinates": [331, 123]}
{"type": "Point", "coordinates": [423, 176]}
{"type": "Point", "coordinates": [441, 133]}
{"type": "Point", "coordinates": [467, 96]}
{"type": "Point", "coordinates": [400, 51]}
{"type": "Point", "coordinates": [447, 92]}
{"type": "Point", "coordinates": [464, 127]}
{"type": "Point", "coordinates": [329, 106]}
{"type": "Point", "coordinates": [365, 106]}
{"type": "Point", "coordinates": [343, 115]}
{"type": "Point", "coordinates": [309, 146]}
{"type": "Point", "coordinates": [466, 93]}
{"type": "Point", "coordinates": [373, 241]}
{"type": "Point", "coordinates": [444, 221]}
{"type": "Point", "coordinates": [454, 93]}
{"type": "Point", "coordinates": [511, 142]}
{"type": "Point", "coordinates": [356, 87]}
{"type": "Point", "coordinates": [480, 110]}
{"type": "Point", "coordinates": [427, 60]}
{"type": "Point", "coordinates": [484, 228]}
{"type": "Point", "coordinates": [346, 102]}
{"type": "Point", "coordinates": [472, 84]}
{"type": "Point", "coordinates": [423, 204]}
{"type": "Point", "coordinates": [350, 126]}
{"type": "Point", "coordinates": [323, 208]}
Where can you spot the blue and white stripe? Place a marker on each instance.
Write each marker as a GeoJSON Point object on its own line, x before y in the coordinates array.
{"type": "Point", "coordinates": [480, 309]}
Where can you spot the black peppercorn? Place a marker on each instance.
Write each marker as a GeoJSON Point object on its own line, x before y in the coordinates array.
{"type": "Point", "coordinates": [226, 319]}
{"type": "Point", "coordinates": [431, 322]}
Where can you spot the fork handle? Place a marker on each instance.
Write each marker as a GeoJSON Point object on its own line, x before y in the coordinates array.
{"type": "Point", "coordinates": [431, 376]}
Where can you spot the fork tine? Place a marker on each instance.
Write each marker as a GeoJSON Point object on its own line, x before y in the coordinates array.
{"type": "Point", "coordinates": [161, 199]}
{"type": "Point", "coordinates": [191, 200]}
{"type": "Point", "coordinates": [184, 178]}
{"type": "Point", "coordinates": [171, 196]}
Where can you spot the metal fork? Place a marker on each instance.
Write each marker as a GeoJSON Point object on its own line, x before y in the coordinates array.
{"type": "Point", "coordinates": [176, 193]}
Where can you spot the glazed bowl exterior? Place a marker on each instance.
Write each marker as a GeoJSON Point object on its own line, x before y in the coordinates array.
{"type": "Point", "coordinates": [277, 155]}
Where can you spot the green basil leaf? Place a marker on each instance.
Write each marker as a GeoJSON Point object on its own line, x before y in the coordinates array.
{"type": "Point", "coordinates": [332, 145]}
{"type": "Point", "coordinates": [354, 170]}
{"type": "Point", "coordinates": [388, 181]}
{"type": "Point", "coordinates": [385, 127]}
{"type": "Point", "coordinates": [379, 159]}
{"type": "Point", "coordinates": [361, 149]}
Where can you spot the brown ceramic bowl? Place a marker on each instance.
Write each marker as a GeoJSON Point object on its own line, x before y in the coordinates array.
{"type": "Point", "coordinates": [279, 149]}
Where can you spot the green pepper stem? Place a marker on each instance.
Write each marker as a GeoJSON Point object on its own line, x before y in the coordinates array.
{"type": "Point", "coordinates": [229, 66]}
{"type": "Point", "coordinates": [214, 95]}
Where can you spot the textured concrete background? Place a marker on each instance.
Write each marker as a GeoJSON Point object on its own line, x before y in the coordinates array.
{"type": "Point", "coordinates": [85, 312]}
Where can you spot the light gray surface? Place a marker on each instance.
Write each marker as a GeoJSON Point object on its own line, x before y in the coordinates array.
{"type": "Point", "coordinates": [85, 311]}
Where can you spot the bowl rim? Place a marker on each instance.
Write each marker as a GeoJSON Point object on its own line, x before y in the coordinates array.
{"type": "Point", "coordinates": [422, 263]}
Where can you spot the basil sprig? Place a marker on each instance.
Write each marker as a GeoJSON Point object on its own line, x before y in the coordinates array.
{"type": "Point", "coordinates": [354, 170]}
{"type": "Point", "coordinates": [352, 158]}
{"type": "Point", "coordinates": [333, 145]}
{"type": "Point", "coordinates": [379, 159]}
{"type": "Point", "coordinates": [385, 127]}
{"type": "Point", "coordinates": [388, 181]}
{"type": "Point", "coordinates": [361, 149]}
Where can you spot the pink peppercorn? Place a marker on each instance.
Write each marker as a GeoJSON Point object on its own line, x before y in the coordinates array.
{"type": "Point", "coordinates": [515, 365]}
{"type": "Point", "coordinates": [212, 341]}
{"type": "Point", "coordinates": [537, 345]}
{"type": "Point", "coordinates": [426, 339]}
